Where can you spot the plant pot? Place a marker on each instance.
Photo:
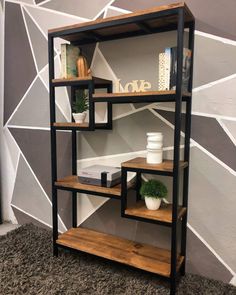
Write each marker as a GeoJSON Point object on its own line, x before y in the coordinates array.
{"type": "Point", "coordinates": [79, 117]}
{"type": "Point", "coordinates": [152, 203]}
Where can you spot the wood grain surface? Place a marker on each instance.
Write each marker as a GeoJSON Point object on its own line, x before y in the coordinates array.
{"type": "Point", "coordinates": [142, 256]}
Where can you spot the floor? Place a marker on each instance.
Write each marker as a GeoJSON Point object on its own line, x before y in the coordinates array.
{"type": "Point", "coordinates": [6, 227]}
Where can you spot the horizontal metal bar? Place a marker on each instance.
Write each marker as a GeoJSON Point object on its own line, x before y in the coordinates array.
{"type": "Point", "coordinates": [72, 128]}
{"type": "Point", "coordinates": [168, 224]}
{"type": "Point", "coordinates": [125, 35]}
{"type": "Point", "coordinates": [139, 99]}
{"type": "Point", "coordinates": [70, 189]}
{"type": "Point", "coordinates": [113, 23]}
{"type": "Point", "coordinates": [103, 126]}
{"type": "Point", "coordinates": [148, 171]}
{"type": "Point", "coordinates": [79, 83]}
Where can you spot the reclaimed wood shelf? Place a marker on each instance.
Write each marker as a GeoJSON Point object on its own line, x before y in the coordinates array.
{"type": "Point", "coordinates": [63, 125]}
{"type": "Point", "coordinates": [72, 183]}
{"type": "Point", "coordinates": [98, 82]}
{"type": "Point", "coordinates": [136, 97]}
{"type": "Point", "coordinates": [146, 257]}
{"type": "Point", "coordinates": [142, 22]}
{"type": "Point", "coordinates": [141, 163]}
{"type": "Point", "coordinates": [142, 256]}
{"type": "Point", "coordinates": [164, 214]}
{"type": "Point", "coordinates": [78, 126]}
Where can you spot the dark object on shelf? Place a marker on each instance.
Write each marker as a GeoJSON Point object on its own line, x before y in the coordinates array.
{"type": "Point", "coordinates": [168, 263]}
{"type": "Point", "coordinates": [187, 55]}
{"type": "Point", "coordinates": [101, 175]}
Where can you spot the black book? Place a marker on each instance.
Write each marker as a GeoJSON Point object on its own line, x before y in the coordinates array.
{"type": "Point", "coordinates": [186, 68]}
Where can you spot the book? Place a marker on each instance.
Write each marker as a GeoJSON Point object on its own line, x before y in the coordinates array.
{"type": "Point", "coordinates": [168, 69]}
{"type": "Point", "coordinates": [187, 54]}
{"type": "Point", "coordinates": [100, 175]}
{"type": "Point", "coordinates": [163, 81]}
{"type": "Point", "coordinates": [69, 57]}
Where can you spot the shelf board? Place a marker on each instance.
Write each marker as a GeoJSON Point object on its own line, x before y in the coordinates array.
{"type": "Point", "coordinates": [164, 214]}
{"type": "Point", "coordinates": [72, 183]}
{"type": "Point", "coordinates": [66, 125]}
{"type": "Point", "coordinates": [99, 82]}
{"type": "Point", "coordinates": [137, 97]}
{"type": "Point", "coordinates": [154, 20]}
{"type": "Point", "coordinates": [142, 256]}
{"type": "Point", "coordinates": [78, 126]}
{"type": "Point", "coordinates": [141, 163]}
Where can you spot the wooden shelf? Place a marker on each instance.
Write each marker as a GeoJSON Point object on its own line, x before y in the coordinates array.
{"type": "Point", "coordinates": [131, 253]}
{"type": "Point", "coordinates": [154, 20]}
{"type": "Point", "coordinates": [99, 82]}
{"type": "Point", "coordinates": [164, 214]}
{"type": "Point", "coordinates": [62, 125]}
{"type": "Point", "coordinates": [79, 126]}
{"type": "Point", "coordinates": [136, 97]}
{"type": "Point", "coordinates": [141, 163]}
{"type": "Point", "coordinates": [72, 183]}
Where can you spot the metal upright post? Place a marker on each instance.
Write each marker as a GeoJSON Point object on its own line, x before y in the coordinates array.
{"type": "Point", "coordinates": [123, 190]}
{"type": "Point", "coordinates": [74, 166]}
{"type": "Point", "coordinates": [178, 105]}
{"type": "Point", "coordinates": [138, 185]}
{"type": "Point", "coordinates": [91, 106]}
{"type": "Point", "coordinates": [53, 144]}
{"type": "Point", "coordinates": [109, 109]}
{"type": "Point", "coordinates": [187, 151]}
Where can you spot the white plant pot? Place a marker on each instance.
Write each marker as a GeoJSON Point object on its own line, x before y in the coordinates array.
{"type": "Point", "coordinates": [152, 203]}
{"type": "Point", "coordinates": [79, 117]}
{"type": "Point", "coordinates": [154, 156]}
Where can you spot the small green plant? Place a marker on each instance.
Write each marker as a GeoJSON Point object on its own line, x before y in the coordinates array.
{"type": "Point", "coordinates": [153, 189]}
{"type": "Point", "coordinates": [81, 101]}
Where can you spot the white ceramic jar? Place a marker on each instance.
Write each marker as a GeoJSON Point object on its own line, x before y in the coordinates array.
{"type": "Point", "coordinates": [154, 147]}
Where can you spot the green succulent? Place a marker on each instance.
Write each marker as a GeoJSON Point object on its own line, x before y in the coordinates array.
{"type": "Point", "coordinates": [154, 189]}
{"type": "Point", "coordinates": [80, 104]}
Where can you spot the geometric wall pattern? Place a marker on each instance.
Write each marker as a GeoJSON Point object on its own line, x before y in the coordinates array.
{"type": "Point", "coordinates": [26, 141]}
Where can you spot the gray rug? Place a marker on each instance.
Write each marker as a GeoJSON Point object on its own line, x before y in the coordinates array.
{"type": "Point", "coordinates": [28, 267]}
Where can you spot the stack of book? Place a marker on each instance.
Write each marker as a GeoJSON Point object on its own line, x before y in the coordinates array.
{"type": "Point", "coordinates": [168, 69]}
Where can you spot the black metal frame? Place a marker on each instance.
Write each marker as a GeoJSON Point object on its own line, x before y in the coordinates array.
{"type": "Point", "coordinates": [178, 98]}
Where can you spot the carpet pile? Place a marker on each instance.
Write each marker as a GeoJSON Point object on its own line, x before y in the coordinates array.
{"type": "Point", "coordinates": [28, 267]}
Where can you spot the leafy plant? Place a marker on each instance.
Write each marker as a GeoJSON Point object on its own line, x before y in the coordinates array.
{"type": "Point", "coordinates": [80, 104]}
{"type": "Point", "coordinates": [154, 189]}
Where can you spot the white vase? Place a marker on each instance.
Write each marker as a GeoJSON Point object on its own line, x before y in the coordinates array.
{"type": "Point", "coordinates": [154, 147]}
{"type": "Point", "coordinates": [79, 117]}
{"type": "Point", "coordinates": [155, 140]}
{"type": "Point", "coordinates": [152, 203]}
{"type": "Point", "coordinates": [154, 156]}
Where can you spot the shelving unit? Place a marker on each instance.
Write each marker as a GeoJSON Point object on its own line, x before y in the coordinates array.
{"type": "Point", "coordinates": [149, 258]}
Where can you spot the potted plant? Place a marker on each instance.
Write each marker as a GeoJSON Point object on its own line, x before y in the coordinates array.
{"type": "Point", "coordinates": [153, 191]}
{"type": "Point", "coordinates": [80, 105]}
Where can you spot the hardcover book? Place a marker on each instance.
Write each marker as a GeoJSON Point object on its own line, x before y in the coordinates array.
{"type": "Point", "coordinates": [187, 54]}
{"type": "Point", "coordinates": [168, 69]}
{"type": "Point", "coordinates": [69, 57]}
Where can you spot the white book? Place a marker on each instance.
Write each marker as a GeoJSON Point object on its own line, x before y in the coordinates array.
{"type": "Point", "coordinates": [167, 67]}
{"type": "Point", "coordinates": [163, 82]}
